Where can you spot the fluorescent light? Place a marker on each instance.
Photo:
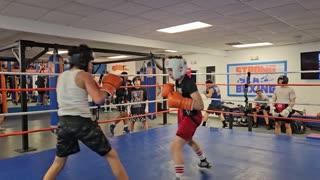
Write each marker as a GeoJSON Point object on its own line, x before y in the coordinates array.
{"type": "Point", "coordinates": [118, 57]}
{"type": "Point", "coordinates": [252, 45]}
{"type": "Point", "coordinates": [169, 50]}
{"type": "Point", "coordinates": [59, 52]}
{"type": "Point", "coordinates": [185, 27]}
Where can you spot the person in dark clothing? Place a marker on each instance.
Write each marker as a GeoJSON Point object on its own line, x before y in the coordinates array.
{"type": "Point", "coordinates": [138, 94]}
{"type": "Point", "coordinates": [41, 83]}
{"type": "Point", "coordinates": [121, 99]}
{"type": "Point", "coordinates": [189, 102]}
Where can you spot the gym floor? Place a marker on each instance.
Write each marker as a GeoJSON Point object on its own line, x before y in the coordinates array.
{"type": "Point", "coordinates": [46, 140]}
{"type": "Point", "coordinates": [236, 154]}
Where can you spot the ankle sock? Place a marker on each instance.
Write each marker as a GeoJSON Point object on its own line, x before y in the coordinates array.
{"type": "Point", "coordinates": [179, 170]}
{"type": "Point", "coordinates": [201, 154]}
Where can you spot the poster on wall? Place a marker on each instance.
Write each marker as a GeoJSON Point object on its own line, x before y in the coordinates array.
{"type": "Point", "coordinates": [266, 74]}
{"type": "Point", "coordinates": [118, 68]}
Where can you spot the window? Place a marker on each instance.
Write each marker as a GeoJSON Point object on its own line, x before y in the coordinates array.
{"type": "Point", "coordinates": [211, 69]}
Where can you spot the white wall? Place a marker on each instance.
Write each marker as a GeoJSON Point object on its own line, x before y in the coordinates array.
{"type": "Point", "coordinates": [306, 94]}
{"type": "Point", "coordinates": [199, 62]}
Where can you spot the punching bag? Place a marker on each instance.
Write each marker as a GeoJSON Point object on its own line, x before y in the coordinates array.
{"type": "Point", "coordinates": [150, 69]}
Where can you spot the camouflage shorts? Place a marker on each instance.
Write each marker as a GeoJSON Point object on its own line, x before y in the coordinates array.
{"type": "Point", "coordinates": [138, 112]}
{"type": "Point", "coordinates": [138, 119]}
{"type": "Point", "coordinates": [74, 128]}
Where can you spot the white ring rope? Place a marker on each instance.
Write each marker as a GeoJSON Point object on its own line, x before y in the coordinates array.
{"type": "Point", "coordinates": [263, 102]}
{"type": "Point", "coordinates": [126, 104]}
{"type": "Point", "coordinates": [28, 113]}
{"type": "Point", "coordinates": [133, 103]}
{"type": "Point", "coordinates": [91, 107]}
{"type": "Point", "coordinates": [143, 102]}
{"type": "Point", "coordinates": [27, 73]}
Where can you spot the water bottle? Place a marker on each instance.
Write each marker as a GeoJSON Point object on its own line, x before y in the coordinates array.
{"type": "Point", "coordinates": [304, 111]}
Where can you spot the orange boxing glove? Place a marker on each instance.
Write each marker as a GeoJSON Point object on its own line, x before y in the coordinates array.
{"type": "Point", "coordinates": [176, 100]}
{"type": "Point", "coordinates": [168, 88]}
{"type": "Point", "coordinates": [111, 83]}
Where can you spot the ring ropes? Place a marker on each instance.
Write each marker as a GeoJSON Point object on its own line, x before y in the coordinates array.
{"type": "Point", "coordinates": [160, 112]}
{"type": "Point", "coordinates": [129, 117]}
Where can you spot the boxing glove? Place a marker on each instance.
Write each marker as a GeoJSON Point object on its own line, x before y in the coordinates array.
{"type": "Point", "coordinates": [111, 83]}
{"type": "Point", "coordinates": [286, 112]}
{"type": "Point", "coordinates": [275, 112]}
{"type": "Point", "coordinates": [176, 100]}
{"type": "Point", "coordinates": [168, 88]}
{"type": "Point", "coordinates": [206, 91]}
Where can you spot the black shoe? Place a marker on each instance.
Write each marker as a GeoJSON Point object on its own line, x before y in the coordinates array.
{"type": "Point", "coordinates": [204, 164]}
{"type": "Point", "coordinates": [268, 126]}
{"type": "Point", "coordinates": [204, 123]}
{"type": "Point", "coordinates": [112, 126]}
{"type": "Point", "coordinates": [126, 130]}
{"type": "Point", "coordinates": [255, 125]}
{"type": "Point", "coordinates": [224, 124]}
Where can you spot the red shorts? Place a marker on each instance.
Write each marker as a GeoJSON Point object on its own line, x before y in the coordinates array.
{"type": "Point", "coordinates": [186, 126]}
{"type": "Point", "coordinates": [280, 107]}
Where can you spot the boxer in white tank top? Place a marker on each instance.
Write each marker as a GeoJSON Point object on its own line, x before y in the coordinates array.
{"type": "Point", "coordinates": [75, 122]}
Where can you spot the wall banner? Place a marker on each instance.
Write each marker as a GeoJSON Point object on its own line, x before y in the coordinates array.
{"type": "Point", "coordinates": [261, 78]}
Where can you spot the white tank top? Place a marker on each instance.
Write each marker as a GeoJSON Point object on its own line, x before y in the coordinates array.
{"type": "Point", "coordinates": [72, 100]}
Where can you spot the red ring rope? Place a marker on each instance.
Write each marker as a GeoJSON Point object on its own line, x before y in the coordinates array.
{"type": "Point", "coordinates": [99, 122]}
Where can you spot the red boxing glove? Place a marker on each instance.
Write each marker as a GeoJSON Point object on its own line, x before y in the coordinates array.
{"type": "Point", "coordinates": [257, 107]}
{"type": "Point", "coordinates": [111, 83]}
{"type": "Point", "coordinates": [176, 100]}
{"type": "Point", "coordinates": [168, 88]}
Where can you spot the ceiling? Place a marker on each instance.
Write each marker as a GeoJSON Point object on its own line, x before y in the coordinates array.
{"type": "Point", "coordinates": [10, 36]}
{"type": "Point", "coordinates": [280, 22]}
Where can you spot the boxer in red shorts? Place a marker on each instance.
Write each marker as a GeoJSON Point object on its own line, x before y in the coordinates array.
{"type": "Point", "coordinates": [188, 100]}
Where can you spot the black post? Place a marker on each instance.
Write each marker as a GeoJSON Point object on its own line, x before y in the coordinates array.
{"type": "Point", "coordinates": [23, 98]}
{"type": "Point", "coordinates": [164, 104]}
{"type": "Point", "coordinates": [248, 106]}
{"type": "Point", "coordinates": [250, 123]}
{"type": "Point", "coordinates": [230, 119]}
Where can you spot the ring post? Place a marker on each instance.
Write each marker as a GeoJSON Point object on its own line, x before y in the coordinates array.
{"type": "Point", "coordinates": [24, 107]}
{"type": "Point", "coordinates": [248, 108]}
{"type": "Point", "coordinates": [164, 104]}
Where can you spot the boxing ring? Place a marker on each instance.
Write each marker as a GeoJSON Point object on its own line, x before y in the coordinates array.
{"type": "Point", "coordinates": [236, 155]}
